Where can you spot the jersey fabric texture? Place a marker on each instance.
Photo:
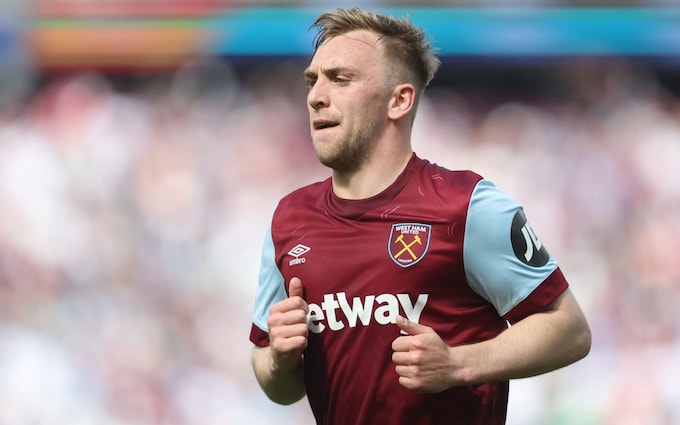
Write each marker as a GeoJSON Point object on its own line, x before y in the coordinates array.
{"type": "Point", "coordinates": [444, 248]}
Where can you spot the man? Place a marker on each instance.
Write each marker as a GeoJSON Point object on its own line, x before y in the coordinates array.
{"type": "Point", "coordinates": [385, 291]}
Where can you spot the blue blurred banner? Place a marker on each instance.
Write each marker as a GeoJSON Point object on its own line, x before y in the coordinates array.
{"type": "Point", "coordinates": [567, 31]}
{"type": "Point", "coordinates": [261, 32]}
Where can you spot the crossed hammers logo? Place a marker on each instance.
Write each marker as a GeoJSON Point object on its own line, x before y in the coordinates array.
{"type": "Point", "coordinates": [407, 246]}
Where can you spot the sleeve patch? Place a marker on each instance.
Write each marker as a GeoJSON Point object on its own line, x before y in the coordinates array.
{"type": "Point", "coordinates": [525, 244]}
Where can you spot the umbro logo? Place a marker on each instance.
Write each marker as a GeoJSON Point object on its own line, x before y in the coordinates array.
{"type": "Point", "coordinates": [296, 252]}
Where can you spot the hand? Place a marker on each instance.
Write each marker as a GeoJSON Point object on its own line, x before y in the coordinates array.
{"type": "Point", "coordinates": [423, 360]}
{"type": "Point", "coordinates": [288, 329]}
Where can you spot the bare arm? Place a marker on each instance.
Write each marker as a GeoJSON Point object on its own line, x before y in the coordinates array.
{"type": "Point", "coordinates": [281, 386]}
{"type": "Point", "coordinates": [278, 367]}
{"type": "Point", "coordinates": [539, 343]}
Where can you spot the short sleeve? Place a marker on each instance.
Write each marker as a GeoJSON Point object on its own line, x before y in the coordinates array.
{"type": "Point", "coordinates": [504, 260]}
{"type": "Point", "coordinates": [270, 290]}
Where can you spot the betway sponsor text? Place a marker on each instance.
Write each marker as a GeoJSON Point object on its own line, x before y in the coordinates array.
{"type": "Point", "coordinates": [336, 311]}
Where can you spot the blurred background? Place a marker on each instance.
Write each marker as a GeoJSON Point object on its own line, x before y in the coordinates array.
{"type": "Point", "coordinates": [144, 145]}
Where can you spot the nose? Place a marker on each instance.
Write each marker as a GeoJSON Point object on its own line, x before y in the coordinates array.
{"type": "Point", "coordinates": [317, 97]}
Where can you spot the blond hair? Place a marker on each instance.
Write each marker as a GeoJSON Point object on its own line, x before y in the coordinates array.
{"type": "Point", "coordinates": [405, 44]}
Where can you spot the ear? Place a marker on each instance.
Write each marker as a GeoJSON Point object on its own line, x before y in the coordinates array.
{"type": "Point", "coordinates": [402, 101]}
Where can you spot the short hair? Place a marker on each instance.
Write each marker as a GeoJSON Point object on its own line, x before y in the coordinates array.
{"type": "Point", "coordinates": [404, 42]}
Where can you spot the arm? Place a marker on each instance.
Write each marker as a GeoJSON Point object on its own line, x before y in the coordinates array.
{"type": "Point", "coordinates": [540, 343]}
{"type": "Point", "coordinates": [281, 386]}
{"type": "Point", "coordinates": [278, 367]}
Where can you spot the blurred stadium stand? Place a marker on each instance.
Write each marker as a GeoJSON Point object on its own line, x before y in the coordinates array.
{"type": "Point", "coordinates": [537, 38]}
{"type": "Point", "coordinates": [144, 144]}
{"type": "Point", "coordinates": [63, 35]}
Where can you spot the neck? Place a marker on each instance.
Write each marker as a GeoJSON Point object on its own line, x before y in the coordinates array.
{"type": "Point", "coordinates": [376, 175]}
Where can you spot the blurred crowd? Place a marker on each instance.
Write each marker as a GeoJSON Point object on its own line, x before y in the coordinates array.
{"type": "Point", "coordinates": [131, 221]}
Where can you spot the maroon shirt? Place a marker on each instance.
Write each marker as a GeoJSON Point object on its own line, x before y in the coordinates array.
{"type": "Point", "coordinates": [362, 262]}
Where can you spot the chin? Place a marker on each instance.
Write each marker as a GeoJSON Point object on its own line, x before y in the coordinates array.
{"type": "Point", "coordinates": [323, 147]}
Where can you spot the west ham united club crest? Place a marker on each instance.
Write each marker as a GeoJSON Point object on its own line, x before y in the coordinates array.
{"type": "Point", "coordinates": [408, 243]}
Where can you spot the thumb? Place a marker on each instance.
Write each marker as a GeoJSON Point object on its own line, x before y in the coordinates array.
{"type": "Point", "coordinates": [410, 327]}
{"type": "Point", "coordinates": [295, 288]}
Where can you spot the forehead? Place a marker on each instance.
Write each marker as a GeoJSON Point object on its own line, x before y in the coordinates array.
{"type": "Point", "coordinates": [360, 47]}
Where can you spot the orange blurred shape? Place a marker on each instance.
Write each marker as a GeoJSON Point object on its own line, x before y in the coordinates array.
{"type": "Point", "coordinates": [134, 45]}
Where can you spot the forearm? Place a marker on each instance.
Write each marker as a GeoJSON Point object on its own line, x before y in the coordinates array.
{"type": "Point", "coordinates": [537, 344]}
{"type": "Point", "coordinates": [281, 386]}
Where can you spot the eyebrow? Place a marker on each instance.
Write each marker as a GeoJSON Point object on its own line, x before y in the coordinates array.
{"type": "Point", "coordinates": [309, 74]}
{"type": "Point", "coordinates": [332, 71]}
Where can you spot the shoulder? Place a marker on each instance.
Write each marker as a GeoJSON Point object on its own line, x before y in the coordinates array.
{"type": "Point", "coordinates": [492, 213]}
{"type": "Point", "coordinates": [305, 195]}
{"type": "Point", "coordinates": [438, 172]}
{"type": "Point", "coordinates": [445, 184]}
{"type": "Point", "coordinates": [301, 204]}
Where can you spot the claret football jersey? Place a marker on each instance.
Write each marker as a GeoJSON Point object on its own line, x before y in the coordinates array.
{"type": "Point", "coordinates": [446, 249]}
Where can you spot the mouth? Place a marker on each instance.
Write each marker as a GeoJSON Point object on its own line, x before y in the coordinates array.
{"type": "Point", "coordinates": [323, 124]}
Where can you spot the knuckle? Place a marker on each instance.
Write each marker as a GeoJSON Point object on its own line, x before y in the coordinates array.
{"type": "Point", "coordinates": [415, 357]}
{"type": "Point", "coordinates": [272, 323]}
{"type": "Point", "coordinates": [299, 316]}
{"type": "Point", "coordinates": [420, 342]}
{"type": "Point", "coordinates": [277, 345]}
{"type": "Point", "coordinates": [301, 330]}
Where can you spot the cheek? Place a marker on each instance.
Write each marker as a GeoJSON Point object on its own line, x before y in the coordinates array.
{"type": "Point", "coordinates": [375, 102]}
{"type": "Point", "coordinates": [371, 111]}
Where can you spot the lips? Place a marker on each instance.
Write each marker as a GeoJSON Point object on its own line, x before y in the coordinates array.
{"type": "Point", "coordinates": [321, 124]}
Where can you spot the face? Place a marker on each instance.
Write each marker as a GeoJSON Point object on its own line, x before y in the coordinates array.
{"type": "Point", "coordinates": [347, 99]}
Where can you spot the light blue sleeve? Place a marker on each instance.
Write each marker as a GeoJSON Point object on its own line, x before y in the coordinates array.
{"type": "Point", "coordinates": [270, 288]}
{"type": "Point", "coordinates": [504, 261]}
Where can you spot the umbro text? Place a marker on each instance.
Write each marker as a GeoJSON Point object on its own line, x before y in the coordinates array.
{"type": "Point", "coordinates": [295, 261]}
